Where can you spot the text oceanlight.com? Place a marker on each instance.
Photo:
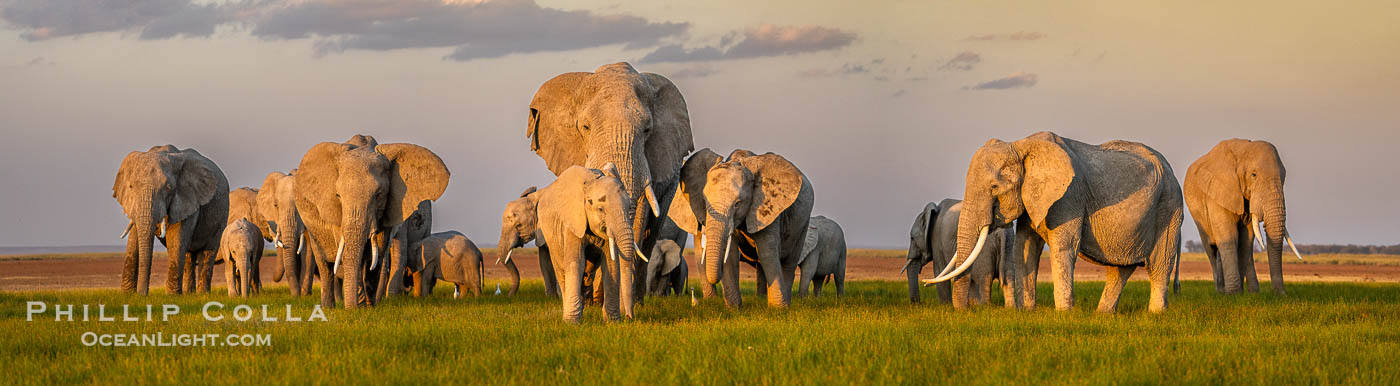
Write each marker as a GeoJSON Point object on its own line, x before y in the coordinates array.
{"type": "Point", "coordinates": [161, 339]}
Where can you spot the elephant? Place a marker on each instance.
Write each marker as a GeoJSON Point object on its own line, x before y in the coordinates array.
{"type": "Point", "coordinates": [637, 121]}
{"type": "Point", "coordinates": [452, 257]}
{"type": "Point", "coordinates": [519, 226]}
{"type": "Point", "coordinates": [823, 255]}
{"type": "Point", "coordinates": [1228, 190]}
{"type": "Point", "coordinates": [1116, 204]}
{"type": "Point", "coordinates": [667, 270]}
{"type": "Point", "coordinates": [241, 248]}
{"type": "Point", "coordinates": [760, 203]}
{"type": "Point", "coordinates": [932, 239]}
{"type": "Point", "coordinates": [281, 224]}
{"type": "Point", "coordinates": [176, 191]}
{"type": "Point", "coordinates": [362, 195]}
{"type": "Point", "coordinates": [242, 205]}
{"type": "Point", "coordinates": [590, 206]}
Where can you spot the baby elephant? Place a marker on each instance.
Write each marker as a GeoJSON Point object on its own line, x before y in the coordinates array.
{"type": "Point", "coordinates": [448, 256]}
{"type": "Point", "coordinates": [933, 239]}
{"type": "Point", "coordinates": [241, 247]}
{"type": "Point", "coordinates": [667, 271]}
{"type": "Point", "coordinates": [823, 256]}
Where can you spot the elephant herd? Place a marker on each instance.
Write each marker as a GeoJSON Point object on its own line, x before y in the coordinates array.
{"type": "Point", "coordinates": [631, 190]}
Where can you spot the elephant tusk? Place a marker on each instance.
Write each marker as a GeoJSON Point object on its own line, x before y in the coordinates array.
{"type": "Point", "coordinates": [702, 249]}
{"type": "Point", "coordinates": [946, 268]}
{"type": "Point", "coordinates": [162, 226]}
{"type": "Point", "coordinates": [967, 262]}
{"type": "Point", "coordinates": [373, 254]}
{"type": "Point", "coordinates": [612, 251]}
{"type": "Point", "coordinates": [651, 199]}
{"type": "Point", "coordinates": [338, 249]}
{"type": "Point", "coordinates": [1289, 239]}
{"type": "Point", "coordinates": [906, 266]}
{"type": "Point", "coordinates": [129, 224]}
{"type": "Point", "coordinates": [638, 249]}
{"type": "Point", "coordinates": [301, 242]}
{"type": "Point", "coordinates": [727, 244]}
{"type": "Point", "coordinates": [277, 241]}
{"type": "Point", "coordinates": [508, 253]}
{"type": "Point", "coordinates": [1254, 228]}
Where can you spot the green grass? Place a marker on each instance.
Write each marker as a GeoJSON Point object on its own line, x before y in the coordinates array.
{"type": "Point", "coordinates": [1319, 333]}
{"type": "Point", "coordinates": [1321, 258]}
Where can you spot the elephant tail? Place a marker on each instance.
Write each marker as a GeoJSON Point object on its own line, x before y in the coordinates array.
{"type": "Point", "coordinates": [1176, 275]}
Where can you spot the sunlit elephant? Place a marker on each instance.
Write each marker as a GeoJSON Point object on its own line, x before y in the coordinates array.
{"type": "Point", "coordinates": [355, 196]}
{"type": "Point", "coordinates": [823, 256]}
{"type": "Point", "coordinates": [278, 218]}
{"type": "Point", "coordinates": [1116, 204]}
{"type": "Point", "coordinates": [451, 257]}
{"type": "Point", "coordinates": [180, 197]}
{"type": "Point", "coordinates": [760, 204]}
{"type": "Point", "coordinates": [1229, 190]}
{"type": "Point", "coordinates": [637, 121]}
{"type": "Point", "coordinates": [241, 250]}
{"type": "Point", "coordinates": [519, 227]}
{"type": "Point", "coordinates": [933, 239]}
{"type": "Point", "coordinates": [588, 206]}
{"type": "Point", "coordinates": [667, 270]}
{"type": "Point", "coordinates": [242, 205]}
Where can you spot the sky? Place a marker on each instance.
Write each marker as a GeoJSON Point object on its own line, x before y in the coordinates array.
{"type": "Point", "coordinates": [880, 103]}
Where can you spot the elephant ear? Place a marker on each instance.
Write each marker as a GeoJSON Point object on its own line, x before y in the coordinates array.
{"type": "Point", "coordinates": [688, 204]}
{"type": "Point", "coordinates": [562, 202]}
{"type": "Point", "coordinates": [1049, 170]}
{"type": "Point", "coordinates": [553, 125]}
{"type": "Point", "coordinates": [670, 139]}
{"type": "Point", "coordinates": [314, 184]}
{"type": "Point", "coordinates": [416, 175]}
{"type": "Point", "coordinates": [197, 181]}
{"type": "Point", "coordinates": [528, 191]}
{"type": "Point", "coordinates": [810, 241]}
{"type": "Point", "coordinates": [1220, 169]}
{"type": "Point", "coordinates": [267, 199]}
{"type": "Point", "coordinates": [119, 187]}
{"type": "Point", "coordinates": [672, 255]}
{"type": "Point", "coordinates": [923, 227]}
{"type": "Point", "coordinates": [777, 183]}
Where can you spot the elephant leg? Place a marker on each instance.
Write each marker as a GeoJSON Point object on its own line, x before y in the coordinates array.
{"type": "Point", "coordinates": [1114, 280]}
{"type": "Point", "coordinates": [1064, 251]}
{"type": "Point", "coordinates": [1026, 253]}
{"type": "Point", "coordinates": [612, 290]}
{"type": "Point", "coordinates": [760, 278]}
{"type": "Point", "coordinates": [207, 272]}
{"type": "Point", "coordinates": [570, 266]}
{"type": "Point", "coordinates": [817, 287]}
{"type": "Point", "coordinates": [1212, 255]}
{"type": "Point", "coordinates": [961, 288]}
{"type": "Point", "coordinates": [190, 274]}
{"type": "Point", "coordinates": [229, 280]}
{"type": "Point", "coordinates": [308, 269]}
{"type": "Point", "coordinates": [174, 247]}
{"type": "Point", "coordinates": [551, 282]}
{"type": "Point", "coordinates": [1227, 241]}
{"type": "Point", "coordinates": [809, 269]}
{"type": "Point", "coordinates": [398, 256]}
{"type": "Point", "coordinates": [1164, 259]}
{"type": "Point", "coordinates": [1246, 259]}
{"type": "Point", "coordinates": [983, 290]}
{"type": "Point", "coordinates": [840, 278]}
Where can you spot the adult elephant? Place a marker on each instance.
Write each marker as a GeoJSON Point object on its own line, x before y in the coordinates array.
{"type": "Point", "coordinates": [760, 203]}
{"type": "Point", "coordinates": [823, 255]}
{"type": "Point", "coordinates": [1116, 204]}
{"type": "Point", "coordinates": [1228, 191]}
{"type": "Point", "coordinates": [183, 195]}
{"type": "Point", "coordinates": [588, 206]}
{"type": "Point", "coordinates": [933, 239]}
{"type": "Point", "coordinates": [637, 121]}
{"type": "Point", "coordinates": [358, 195]}
{"type": "Point", "coordinates": [281, 224]}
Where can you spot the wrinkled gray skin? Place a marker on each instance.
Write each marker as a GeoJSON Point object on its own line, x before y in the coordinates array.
{"type": "Point", "coordinates": [451, 257]}
{"type": "Point", "coordinates": [588, 206]}
{"type": "Point", "coordinates": [667, 270]}
{"type": "Point", "coordinates": [637, 121]}
{"type": "Point", "coordinates": [762, 203]}
{"type": "Point", "coordinates": [277, 217]}
{"type": "Point", "coordinates": [519, 227]}
{"type": "Point", "coordinates": [242, 248]}
{"type": "Point", "coordinates": [823, 257]}
{"type": "Point", "coordinates": [242, 205]}
{"type": "Point", "coordinates": [933, 239]}
{"type": "Point", "coordinates": [1239, 179]}
{"type": "Point", "coordinates": [1116, 204]}
{"type": "Point", "coordinates": [188, 193]}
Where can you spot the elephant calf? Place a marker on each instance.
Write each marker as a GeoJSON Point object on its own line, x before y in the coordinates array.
{"type": "Point", "coordinates": [933, 239]}
{"type": "Point", "coordinates": [448, 256]}
{"type": "Point", "coordinates": [667, 271]}
{"type": "Point", "coordinates": [241, 248]}
{"type": "Point", "coordinates": [823, 256]}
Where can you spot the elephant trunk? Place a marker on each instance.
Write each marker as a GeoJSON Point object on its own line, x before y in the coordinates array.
{"type": "Point", "coordinates": [145, 220]}
{"type": "Point", "coordinates": [350, 255]}
{"type": "Point", "coordinates": [974, 223]}
{"type": "Point", "coordinates": [287, 256]}
{"type": "Point", "coordinates": [626, 245]}
{"type": "Point", "coordinates": [509, 241]}
{"type": "Point", "coordinates": [912, 267]}
{"type": "Point", "coordinates": [245, 281]}
{"type": "Point", "coordinates": [716, 246]}
{"type": "Point", "coordinates": [1275, 216]}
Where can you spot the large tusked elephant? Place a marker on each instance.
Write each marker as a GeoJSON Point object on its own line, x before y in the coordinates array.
{"type": "Point", "coordinates": [180, 197]}
{"type": "Point", "coordinates": [1229, 190]}
{"type": "Point", "coordinates": [1116, 204]}
{"type": "Point", "coordinates": [359, 195]}
{"type": "Point", "coordinates": [760, 204]}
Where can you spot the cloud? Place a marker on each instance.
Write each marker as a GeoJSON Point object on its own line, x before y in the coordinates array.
{"type": "Point", "coordinates": [899, 93]}
{"type": "Point", "coordinates": [472, 29]}
{"type": "Point", "coordinates": [1019, 35]}
{"type": "Point", "coordinates": [964, 61]}
{"type": "Point", "coordinates": [845, 69]}
{"type": "Point", "coordinates": [761, 41]}
{"type": "Point", "coordinates": [693, 72]}
{"type": "Point", "coordinates": [156, 19]}
{"type": "Point", "coordinates": [1016, 80]}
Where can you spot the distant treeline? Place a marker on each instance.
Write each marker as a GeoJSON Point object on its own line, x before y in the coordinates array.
{"type": "Point", "coordinates": [1195, 246]}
